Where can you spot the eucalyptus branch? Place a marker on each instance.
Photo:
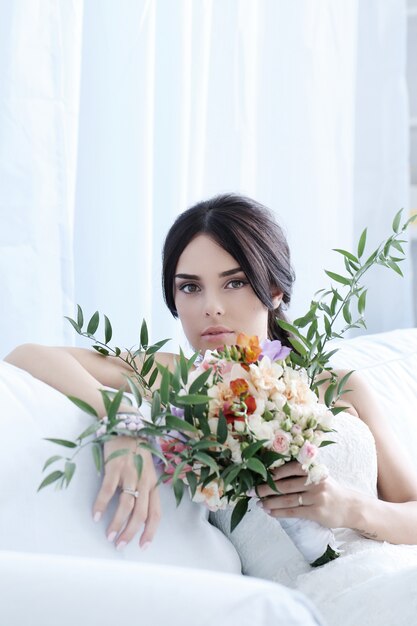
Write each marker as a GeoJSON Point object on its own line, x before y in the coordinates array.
{"type": "Point", "coordinates": [310, 345]}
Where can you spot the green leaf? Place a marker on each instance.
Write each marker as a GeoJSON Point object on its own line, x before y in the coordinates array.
{"type": "Point", "coordinates": [51, 478]}
{"type": "Point", "coordinates": [338, 278]}
{"type": "Point", "coordinates": [256, 466]}
{"type": "Point", "coordinates": [147, 366]}
{"type": "Point", "coordinates": [89, 431]}
{"type": "Point", "coordinates": [135, 391]}
{"type": "Point", "coordinates": [297, 345]}
{"type": "Point", "coordinates": [69, 471]}
{"type": "Point", "coordinates": [108, 331]}
{"type": "Point", "coordinates": [144, 338]}
{"type": "Point", "coordinates": [157, 346]}
{"type": "Point", "coordinates": [152, 378]}
{"type": "Point", "coordinates": [346, 313]}
{"type": "Point", "coordinates": [164, 386]}
{"type": "Point", "coordinates": [176, 423]}
{"type": "Point", "coordinates": [338, 409]}
{"type": "Point", "coordinates": [138, 461]}
{"type": "Point", "coordinates": [51, 460]}
{"type": "Point", "coordinates": [62, 442]}
{"type": "Point", "coordinates": [253, 448]}
{"type": "Point", "coordinates": [190, 399]}
{"type": "Point", "coordinates": [396, 221]}
{"type": "Point", "coordinates": [152, 450]}
{"type": "Point", "coordinates": [200, 381]}
{"type": "Point", "coordinates": [342, 382]}
{"type": "Point", "coordinates": [207, 460]}
{"type": "Point", "coordinates": [84, 406]}
{"type": "Point", "coordinates": [347, 254]}
{"type": "Point", "coordinates": [117, 453]}
{"type": "Point", "coordinates": [397, 246]}
{"type": "Point", "coordinates": [80, 316]}
{"type": "Point", "coordinates": [73, 324]}
{"type": "Point", "coordinates": [395, 267]}
{"type": "Point", "coordinates": [309, 317]}
{"type": "Point", "coordinates": [362, 302]}
{"type": "Point", "coordinates": [362, 243]}
{"type": "Point", "coordinates": [329, 394]}
{"type": "Point", "coordinates": [290, 328]}
{"type": "Point", "coordinates": [222, 428]}
{"type": "Point", "coordinates": [93, 323]}
{"type": "Point", "coordinates": [326, 443]}
{"type": "Point", "coordinates": [183, 368]}
{"type": "Point", "coordinates": [192, 482]}
{"type": "Point", "coordinates": [178, 487]}
{"type": "Point", "coordinates": [156, 405]}
{"type": "Point", "coordinates": [239, 512]}
{"type": "Point", "coordinates": [101, 350]}
{"type": "Point", "coordinates": [97, 456]}
{"type": "Point", "coordinates": [115, 405]}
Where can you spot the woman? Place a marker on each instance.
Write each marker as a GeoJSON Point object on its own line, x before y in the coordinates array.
{"type": "Point", "coordinates": [226, 269]}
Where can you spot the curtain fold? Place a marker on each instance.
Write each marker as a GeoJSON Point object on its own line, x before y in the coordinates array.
{"type": "Point", "coordinates": [115, 118]}
{"type": "Point", "coordinates": [39, 74]}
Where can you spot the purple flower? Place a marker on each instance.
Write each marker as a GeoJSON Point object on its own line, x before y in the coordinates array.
{"type": "Point", "coordinates": [176, 411]}
{"type": "Point", "coordinates": [274, 350]}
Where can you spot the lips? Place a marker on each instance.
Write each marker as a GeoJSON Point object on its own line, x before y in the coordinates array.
{"type": "Point", "coordinates": [213, 331]}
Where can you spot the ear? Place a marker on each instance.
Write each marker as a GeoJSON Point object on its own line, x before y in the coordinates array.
{"type": "Point", "coordinates": [277, 298]}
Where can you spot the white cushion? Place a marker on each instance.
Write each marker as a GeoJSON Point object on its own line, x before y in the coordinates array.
{"type": "Point", "coordinates": [60, 522]}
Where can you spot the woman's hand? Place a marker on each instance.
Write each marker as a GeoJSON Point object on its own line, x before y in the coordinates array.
{"type": "Point", "coordinates": [131, 512]}
{"type": "Point", "coordinates": [326, 502]}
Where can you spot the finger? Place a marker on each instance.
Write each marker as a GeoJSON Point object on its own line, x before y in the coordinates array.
{"type": "Point", "coordinates": [152, 520]}
{"type": "Point", "coordinates": [136, 520]}
{"type": "Point", "coordinates": [126, 505]}
{"type": "Point", "coordinates": [107, 491]}
{"type": "Point", "coordinates": [276, 504]}
{"type": "Point", "coordinates": [293, 468]}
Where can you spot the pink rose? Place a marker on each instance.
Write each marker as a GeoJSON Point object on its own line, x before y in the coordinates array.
{"type": "Point", "coordinates": [307, 453]}
{"type": "Point", "coordinates": [281, 442]}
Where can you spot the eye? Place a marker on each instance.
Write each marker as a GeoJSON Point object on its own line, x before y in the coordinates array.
{"type": "Point", "coordinates": [236, 283]}
{"type": "Point", "coordinates": [189, 288]}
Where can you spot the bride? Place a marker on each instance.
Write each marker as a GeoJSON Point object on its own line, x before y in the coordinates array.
{"type": "Point", "coordinates": [226, 269]}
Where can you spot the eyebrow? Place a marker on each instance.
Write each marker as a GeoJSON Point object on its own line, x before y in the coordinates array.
{"type": "Point", "coordinates": [235, 270]}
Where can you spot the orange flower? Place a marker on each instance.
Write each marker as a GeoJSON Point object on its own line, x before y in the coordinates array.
{"type": "Point", "coordinates": [239, 386]}
{"type": "Point", "coordinates": [250, 404]}
{"type": "Point", "coordinates": [250, 347]}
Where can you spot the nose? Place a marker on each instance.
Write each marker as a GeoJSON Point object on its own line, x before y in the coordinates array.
{"type": "Point", "coordinates": [213, 307]}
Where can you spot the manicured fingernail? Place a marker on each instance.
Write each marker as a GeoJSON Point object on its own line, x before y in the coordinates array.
{"type": "Point", "coordinates": [111, 536]}
{"type": "Point", "coordinates": [97, 516]}
{"type": "Point", "coordinates": [121, 545]}
{"type": "Point", "coordinates": [252, 493]}
{"type": "Point", "coordinates": [145, 545]}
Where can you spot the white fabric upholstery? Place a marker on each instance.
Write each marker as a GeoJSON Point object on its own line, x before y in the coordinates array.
{"type": "Point", "coordinates": [53, 555]}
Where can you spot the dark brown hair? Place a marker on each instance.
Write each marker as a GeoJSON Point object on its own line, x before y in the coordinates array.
{"type": "Point", "coordinates": [248, 232]}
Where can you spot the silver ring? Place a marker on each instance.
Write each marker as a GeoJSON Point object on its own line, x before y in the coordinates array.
{"type": "Point", "coordinates": [300, 500]}
{"type": "Point", "coordinates": [131, 492]}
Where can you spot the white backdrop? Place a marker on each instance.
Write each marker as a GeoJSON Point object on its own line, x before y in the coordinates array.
{"type": "Point", "coordinates": [116, 117]}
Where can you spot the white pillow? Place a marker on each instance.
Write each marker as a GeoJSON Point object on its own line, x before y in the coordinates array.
{"type": "Point", "coordinates": [60, 522]}
{"type": "Point", "coordinates": [388, 363]}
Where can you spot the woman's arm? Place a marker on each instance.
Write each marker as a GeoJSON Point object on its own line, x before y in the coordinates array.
{"type": "Point", "coordinates": [392, 517]}
{"type": "Point", "coordinates": [81, 372]}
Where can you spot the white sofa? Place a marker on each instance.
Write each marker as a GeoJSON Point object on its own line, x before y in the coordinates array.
{"type": "Point", "coordinates": [56, 565]}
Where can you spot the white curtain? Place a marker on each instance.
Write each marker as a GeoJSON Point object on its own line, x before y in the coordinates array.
{"type": "Point", "coordinates": [301, 105]}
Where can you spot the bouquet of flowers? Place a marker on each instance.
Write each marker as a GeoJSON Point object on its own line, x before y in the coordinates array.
{"type": "Point", "coordinates": [259, 413]}
{"type": "Point", "coordinates": [225, 423]}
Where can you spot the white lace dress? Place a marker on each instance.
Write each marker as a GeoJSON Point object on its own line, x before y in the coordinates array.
{"type": "Point", "coordinates": [371, 582]}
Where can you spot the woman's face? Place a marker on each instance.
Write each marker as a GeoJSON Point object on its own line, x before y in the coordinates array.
{"type": "Point", "coordinates": [213, 297]}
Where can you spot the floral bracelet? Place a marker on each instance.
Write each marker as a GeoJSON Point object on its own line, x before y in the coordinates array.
{"type": "Point", "coordinates": [125, 423]}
